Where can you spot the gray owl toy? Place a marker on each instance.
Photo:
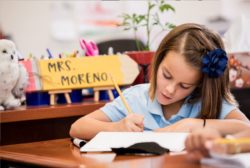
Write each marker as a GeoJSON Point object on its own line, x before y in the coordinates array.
{"type": "Point", "coordinates": [13, 76]}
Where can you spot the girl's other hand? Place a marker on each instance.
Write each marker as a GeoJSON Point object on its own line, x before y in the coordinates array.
{"type": "Point", "coordinates": [132, 123]}
{"type": "Point", "coordinates": [196, 142]}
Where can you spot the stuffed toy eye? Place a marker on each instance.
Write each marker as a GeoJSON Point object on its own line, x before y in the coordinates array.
{"type": "Point", "coordinates": [4, 51]}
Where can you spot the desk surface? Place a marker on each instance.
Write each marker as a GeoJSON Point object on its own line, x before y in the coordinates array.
{"type": "Point", "coordinates": [62, 153]}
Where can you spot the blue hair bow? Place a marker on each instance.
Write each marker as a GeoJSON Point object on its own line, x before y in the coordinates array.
{"type": "Point", "coordinates": [214, 63]}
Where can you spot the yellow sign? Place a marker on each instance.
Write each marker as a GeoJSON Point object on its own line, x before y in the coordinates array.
{"type": "Point", "coordinates": [86, 72]}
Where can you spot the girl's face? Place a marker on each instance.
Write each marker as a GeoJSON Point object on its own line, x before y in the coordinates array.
{"type": "Point", "coordinates": [176, 79]}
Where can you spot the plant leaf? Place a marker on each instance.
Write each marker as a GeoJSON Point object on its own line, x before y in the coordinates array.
{"type": "Point", "coordinates": [151, 6]}
{"type": "Point", "coordinates": [170, 25]}
{"type": "Point", "coordinates": [166, 7]}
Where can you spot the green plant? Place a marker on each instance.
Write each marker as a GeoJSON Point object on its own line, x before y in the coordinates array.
{"type": "Point", "coordinates": [149, 20]}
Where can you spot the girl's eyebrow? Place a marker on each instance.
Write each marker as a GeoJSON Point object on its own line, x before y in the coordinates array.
{"type": "Point", "coordinates": [166, 71]}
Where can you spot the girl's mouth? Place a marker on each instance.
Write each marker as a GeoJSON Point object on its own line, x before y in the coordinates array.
{"type": "Point", "coordinates": [167, 97]}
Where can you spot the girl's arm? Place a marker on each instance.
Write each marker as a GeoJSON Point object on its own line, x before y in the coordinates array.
{"type": "Point", "coordinates": [235, 121]}
{"type": "Point", "coordinates": [88, 126]}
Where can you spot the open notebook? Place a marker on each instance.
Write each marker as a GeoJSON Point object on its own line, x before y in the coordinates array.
{"type": "Point", "coordinates": [104, 141]}
{"type": "Point", "coordinates": [241, 160]}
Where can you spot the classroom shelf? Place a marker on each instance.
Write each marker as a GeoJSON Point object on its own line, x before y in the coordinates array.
{"type": "Point", "coordinates": [31, 124]}
{"type": "Point", "coordinates": [48, 112]}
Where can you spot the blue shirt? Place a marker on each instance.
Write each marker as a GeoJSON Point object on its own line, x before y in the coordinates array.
{"type": "Point", "coordinates": [139, 101]}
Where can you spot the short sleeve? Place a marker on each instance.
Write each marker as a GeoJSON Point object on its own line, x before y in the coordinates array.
{"type": "Point", "coordinates": [226, 109]}
{"type": "Point", "coordinates": [137, 98]}
{"type": "Point", "coordinates": [116, 110]}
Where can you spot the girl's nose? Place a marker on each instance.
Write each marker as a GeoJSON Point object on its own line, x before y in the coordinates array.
{"type": "Point", "coordinates": [171, 88]}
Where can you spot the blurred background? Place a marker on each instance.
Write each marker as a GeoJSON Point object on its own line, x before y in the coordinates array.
{"type": "Point", "coordinates": [36, 25]}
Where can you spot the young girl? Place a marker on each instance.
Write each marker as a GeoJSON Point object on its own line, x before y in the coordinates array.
{"type": "Point", "coordinates": [189, 88]}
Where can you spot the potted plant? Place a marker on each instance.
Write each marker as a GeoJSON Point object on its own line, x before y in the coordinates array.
{"type": "Point", "coordinates": [147, 21]}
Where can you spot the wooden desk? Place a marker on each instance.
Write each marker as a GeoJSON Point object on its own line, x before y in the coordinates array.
{"type": "Point", "coordinates": [29, 124]}
{"type": "Point", "coordinates": [61, 153]}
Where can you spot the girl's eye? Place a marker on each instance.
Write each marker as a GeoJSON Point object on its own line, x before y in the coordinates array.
{"type": "Point", "coordinates": [166, 76]}
{"type": "Point", "coordinates": [184, 87]}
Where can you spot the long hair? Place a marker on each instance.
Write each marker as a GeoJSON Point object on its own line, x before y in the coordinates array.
{"type": "Point", "coordinates": [193, 41]}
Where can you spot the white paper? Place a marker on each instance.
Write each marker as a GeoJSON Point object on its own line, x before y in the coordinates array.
{"type": "Point", "coordinates": [230, 161]}
{"type": "Point", "coordinates": [104, 141]}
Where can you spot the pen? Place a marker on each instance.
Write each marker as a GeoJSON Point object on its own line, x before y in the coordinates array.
{"type": "Point", "coordinates": [30, 56]}
{"type": "Point", "coordinates": [78, 142]}
{"type": "Point", "coordinates": [75, 53]}
{"type": "Point", "coordinates": [233, 141]}
{"type": "Point", "coordinates": [121, 95]}
{"type": "Point", "coordinates": [49, 53]}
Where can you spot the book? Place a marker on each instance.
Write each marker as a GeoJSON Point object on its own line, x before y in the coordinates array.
{"type": "Point", "coordinates": [104, 141]}
{"type": "Point", "coordinates": [240, 160]}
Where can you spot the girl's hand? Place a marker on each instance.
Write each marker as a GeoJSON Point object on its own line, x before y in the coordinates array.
{"type": "Point", "coordinates": [184, 125]}
{"type": "Point", "coordinates": [196, 142]}
{"type": "Point", "coordinates": [132, 123]}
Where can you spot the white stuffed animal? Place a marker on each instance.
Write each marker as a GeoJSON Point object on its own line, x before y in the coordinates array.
{"type": "Point", "coordinates": [13, 76]}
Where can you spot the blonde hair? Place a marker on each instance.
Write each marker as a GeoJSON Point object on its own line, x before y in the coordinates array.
{"type": "Point", "coordinates": [193, 41]}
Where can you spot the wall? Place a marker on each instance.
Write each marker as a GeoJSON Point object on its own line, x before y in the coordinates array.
{"type": "Point", "coordinates": [30, 23]}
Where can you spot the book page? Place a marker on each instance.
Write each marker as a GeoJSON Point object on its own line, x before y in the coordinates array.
{"type": "Point", "coordinates": [104, 141]}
